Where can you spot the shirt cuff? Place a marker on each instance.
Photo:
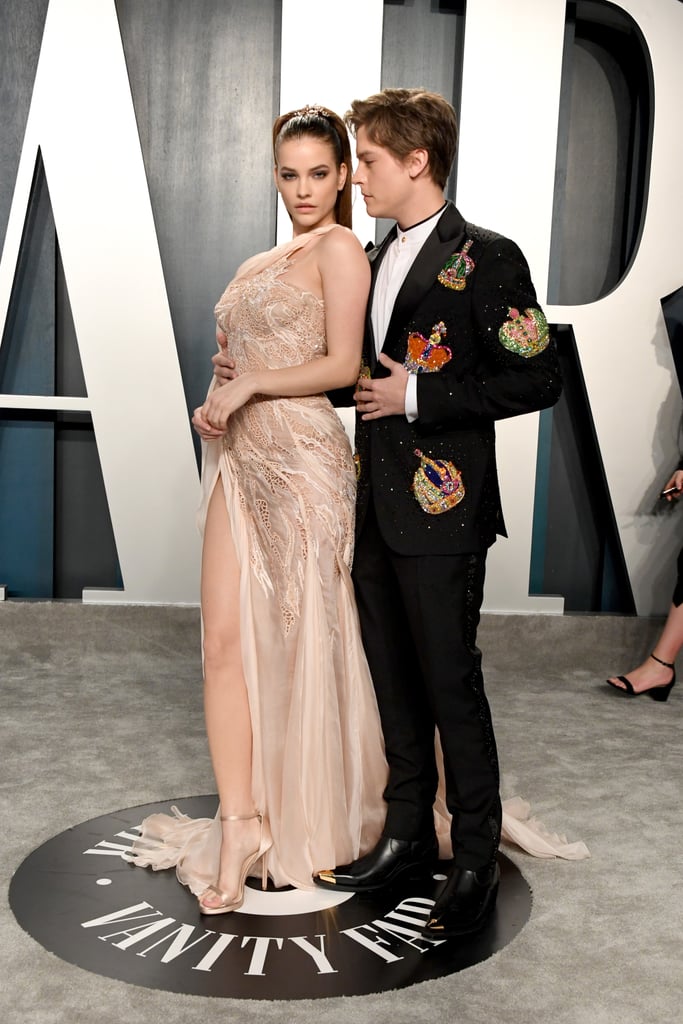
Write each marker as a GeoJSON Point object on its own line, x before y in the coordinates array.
{"type": "Point", "coordinates": [411, 398]}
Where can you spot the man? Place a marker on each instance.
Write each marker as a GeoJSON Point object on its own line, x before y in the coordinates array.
{"type": "Point", "coordinates": [454, 341]}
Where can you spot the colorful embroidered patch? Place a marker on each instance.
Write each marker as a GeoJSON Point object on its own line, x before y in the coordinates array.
{"type": "Point", "coordinates": [526, 335]}
{"type": "Point", "coordinates": [457, 269]}
{"type": "Point", "coordinates": [437, 485]}
{"type": "Point", "coordinates": [427, 356]}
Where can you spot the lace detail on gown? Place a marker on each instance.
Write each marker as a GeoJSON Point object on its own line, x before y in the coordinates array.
{"type": "Point", "coordinates": [290, 457]}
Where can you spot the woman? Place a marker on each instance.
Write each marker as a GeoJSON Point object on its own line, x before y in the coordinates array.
{"type": "Point", "coordinates": [291, 717]}
{"type": "Point", "coordinates": [657, 674]}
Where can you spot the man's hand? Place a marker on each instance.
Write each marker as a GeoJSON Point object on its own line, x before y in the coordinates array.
{"type": "Point", "coordinates": [385, 396]}
{"type": "Point", "coordinates": [223, 366]}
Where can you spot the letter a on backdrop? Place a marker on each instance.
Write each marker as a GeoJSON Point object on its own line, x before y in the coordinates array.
{"type": "Point", "coordinates": [83, 123]}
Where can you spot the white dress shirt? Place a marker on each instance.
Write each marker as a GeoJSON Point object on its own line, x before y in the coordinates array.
{"type": "Point", "coordinates": [393, 270]}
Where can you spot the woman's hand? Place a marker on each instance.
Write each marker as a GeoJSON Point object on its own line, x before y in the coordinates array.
{"type": "Point", "coordinates": [224, 372]}
{"type": "Point", "coordinates": [203, 427]}
{"type": "Point", "coordinates": [675, 485]}
{"type": "Point", "coordinates": [223, 401]}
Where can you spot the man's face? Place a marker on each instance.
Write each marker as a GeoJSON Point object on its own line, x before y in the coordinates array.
{"type": "Point", "coordinates": [384, 180]}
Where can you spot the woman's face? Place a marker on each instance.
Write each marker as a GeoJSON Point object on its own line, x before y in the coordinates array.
{"type": "Point", "coordinates": [308, 180]}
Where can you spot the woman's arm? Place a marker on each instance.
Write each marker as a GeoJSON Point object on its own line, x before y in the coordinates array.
{"type": "Point", "coordinates": [345, 278]}
{"type": "Point", "coordinates": [200, 424]}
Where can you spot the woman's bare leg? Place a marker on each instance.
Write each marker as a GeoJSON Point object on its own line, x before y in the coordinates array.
{"type": "Point", "coordinates": [651, 673]}
{"type": "Point", "coordinates": [226, 704]}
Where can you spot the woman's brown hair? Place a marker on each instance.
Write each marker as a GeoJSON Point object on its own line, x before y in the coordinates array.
{"type": "Point", "coordinates": [320, 123]}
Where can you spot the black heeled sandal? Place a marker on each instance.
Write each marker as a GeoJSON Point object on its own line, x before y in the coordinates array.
{"type": "Point", "coordinates": [658, 693]}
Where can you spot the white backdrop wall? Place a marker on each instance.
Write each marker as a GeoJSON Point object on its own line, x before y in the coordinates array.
{"type": "Point", "coordinates": [83, 121]}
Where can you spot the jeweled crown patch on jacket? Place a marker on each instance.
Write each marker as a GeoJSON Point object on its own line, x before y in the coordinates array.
{"type": "Point", "coordinates": [457, 269]}
{"type": "Point", "coordinates": [427, 355]}
{"type": "Point", "coordinates": [526, 334]}
{"type": "Point", "coordinates": [437, 485]}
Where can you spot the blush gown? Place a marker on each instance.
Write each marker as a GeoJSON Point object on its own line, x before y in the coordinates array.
{"type": "Point", "coordinates": [286, 471]}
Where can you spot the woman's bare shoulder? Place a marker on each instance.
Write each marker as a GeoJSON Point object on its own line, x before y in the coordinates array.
{"type": "Point", "coordinates": [341, 237]}
{"type": "Point", "coordinates": [340, 243]}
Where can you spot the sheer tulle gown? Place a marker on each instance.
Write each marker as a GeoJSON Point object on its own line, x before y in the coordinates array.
{"type": "Point", "coordinates": [286, 471]}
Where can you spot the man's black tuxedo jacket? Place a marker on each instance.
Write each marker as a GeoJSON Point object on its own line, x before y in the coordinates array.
{"type": "Point", "coordinates": [458, 403]}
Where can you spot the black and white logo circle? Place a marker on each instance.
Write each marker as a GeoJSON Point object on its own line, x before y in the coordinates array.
{"type": "Point", "coordinates": [80, 897]}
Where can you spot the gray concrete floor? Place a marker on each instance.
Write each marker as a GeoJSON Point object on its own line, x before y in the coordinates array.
{"type": "Point", "coordinates": [101, 710]}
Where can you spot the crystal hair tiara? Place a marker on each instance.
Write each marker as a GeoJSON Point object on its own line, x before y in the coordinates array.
{"type": "Point", "coordinates": [312, 109]}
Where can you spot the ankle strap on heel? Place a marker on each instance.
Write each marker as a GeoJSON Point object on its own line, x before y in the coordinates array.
{"type": "Point", "coordinates": [667, 664]}
{"type": "Point", "coordinates": [241, 817]}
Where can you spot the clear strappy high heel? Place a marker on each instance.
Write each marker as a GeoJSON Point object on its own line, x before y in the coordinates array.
{"type": "Point", "coordinates": [230, 903]}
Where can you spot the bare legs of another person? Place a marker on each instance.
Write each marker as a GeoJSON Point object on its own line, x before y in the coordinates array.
{"type": "Point", "coordinates": [652, 674]}
{"type": "Point", "coordinates": [226, 706]}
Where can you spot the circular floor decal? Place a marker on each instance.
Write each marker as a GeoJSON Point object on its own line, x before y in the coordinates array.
{"type": "Point", "coordinates": [80, 897]}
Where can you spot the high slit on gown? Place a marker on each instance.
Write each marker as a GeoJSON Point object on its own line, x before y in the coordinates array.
{"type": "Point", "coordinates": [287, 474]}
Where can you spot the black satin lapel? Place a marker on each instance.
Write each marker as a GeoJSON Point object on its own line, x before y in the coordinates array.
{"type": "Point", "coordinates": [443, 241]}
{"type": "Point", "coordinates": [369, 346]}
{"type": "Point", "coordinates": [375, 257]}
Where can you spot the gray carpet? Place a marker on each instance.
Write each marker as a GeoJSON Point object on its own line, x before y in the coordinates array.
{"type": "Point", "coordinates": [101, 710]}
